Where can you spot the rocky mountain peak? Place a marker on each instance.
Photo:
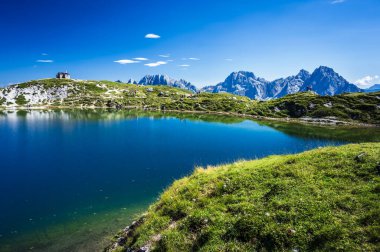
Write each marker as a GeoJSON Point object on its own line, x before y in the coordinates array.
{"type": "Point", "coordinates": [324, 81]}
{"type": "Point", "coordinates": [156, 79]}
{"type": "Point", "coordinates": [303, 75]}
{"type": "Point", "coordinates": [241, 75]}
{"type": "Point", "coordinates": [131, 81]}
{"type": "Point", "coordinates": [163, 79]}
{"type": "Point", "coordinates": [327, 72]}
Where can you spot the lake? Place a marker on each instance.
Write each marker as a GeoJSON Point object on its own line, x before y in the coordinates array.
{"type": "Point", "coordinates": [69, 179]}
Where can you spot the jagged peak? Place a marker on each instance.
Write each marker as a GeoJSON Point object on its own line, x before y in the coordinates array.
{"type": "Point", "coordinates": [183, 81]}
{"type": "Point", "coordinates": [164, 79]}
{"type": "Point", "coordinates": [244, 73]}
{"type": "Point", "coordinates": [324, 70]}
{"type": "Point", "coordinates": [165, 76]}
{"type": "Point", "coordinates": [132, 81]}
{"type": "Point", "coordinates": [303, 73]}
{"type": "Point", "coordinates": [156, 78]}
{"type": "Point", "coordinates": [328, 72]}
{"type": "Point", "coordinates": [158, 74]}
{"type": "Point", "coordinates": [240, 75]}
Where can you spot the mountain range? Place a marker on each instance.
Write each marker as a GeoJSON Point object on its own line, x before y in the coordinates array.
{"type": "Point", "coordinates": [163, 79]}
{"type": "Point", "coordinates": [323, 81]}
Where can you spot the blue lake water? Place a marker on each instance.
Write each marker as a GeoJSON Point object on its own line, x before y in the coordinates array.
{"type": "Point", "coordinates": [68, 179]}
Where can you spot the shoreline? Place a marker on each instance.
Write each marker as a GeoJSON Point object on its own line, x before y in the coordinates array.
{"type": "Point", "coordinates": [303, 120]}
{"type": "Point", "coordinates": [129, 239]}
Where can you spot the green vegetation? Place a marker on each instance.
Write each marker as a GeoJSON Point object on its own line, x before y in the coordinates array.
{"type": "Point", "coordinates": [2, 101]}
{"type": "Point", "coordinates": [338, 133]}
{"type": "Point", "coordinates": [46, 83]}
{"type": "Point", "coordinates": [326, 199]}
{"type": "Point", "coordinates": [354, 107]}
{"type": "Point", "coordinates": [20, 100]}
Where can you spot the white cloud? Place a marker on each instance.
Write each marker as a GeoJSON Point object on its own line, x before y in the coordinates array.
{"type": "Point", "coordinates": [170, 60]}
{"type": "Point", "coordinates": [164, 55]}
{"type": "Point", "coordinates": [156, 64]}
{"type": "Point", "coordinates": [45, 61]}
{"type": "Point", "coordinates": [228, 59]}
{"type": "Point", "coordinates": [141, 59]}
{"type": "Point", "coordinates": [44, 54]}
{"type": "Point", "coordinates": [152, 36]}
{"type": "Point", "coordinates": [338, 1]}
{"type": "Point", "coordinates": [191, 59]}
{"type": "Point", "coordinates": [368, 81]}
{"type": "Point", "coordinates": [184, 65]}
{"type": "Point", "coordinates": [126, 61]}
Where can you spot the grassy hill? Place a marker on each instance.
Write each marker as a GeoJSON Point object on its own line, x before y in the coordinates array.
{"type": "Point", "coordinates": [326, 199]}
{"type": "Point", "coordinates": [355, 107]}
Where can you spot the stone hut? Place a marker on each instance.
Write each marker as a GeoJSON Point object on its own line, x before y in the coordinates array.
{"type": "Point", "coordinates": [63, 75]}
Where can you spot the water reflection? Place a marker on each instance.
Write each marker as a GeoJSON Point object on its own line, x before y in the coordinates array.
{"type": "Point", "coordinates": [341, 133]}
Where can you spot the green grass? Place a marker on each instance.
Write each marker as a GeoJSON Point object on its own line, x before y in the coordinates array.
{"type": "Point", "coordinates": [326, 199]}
{"type": "Point", "coordinates": [357, 107]}
{"type": "Point", "coordinates": [46, 83]}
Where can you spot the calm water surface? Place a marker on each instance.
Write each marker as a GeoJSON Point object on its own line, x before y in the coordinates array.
{"type": "Point", "coordinates": [68, 179]}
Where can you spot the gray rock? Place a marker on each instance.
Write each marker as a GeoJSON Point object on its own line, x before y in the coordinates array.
{"type": "Point", "coordinates": [360, 157]}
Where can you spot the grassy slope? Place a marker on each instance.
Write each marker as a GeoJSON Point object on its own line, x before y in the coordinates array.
{"type": "Point", "coordinates": [354, 106]}
{"type": "Point", "coordinates": [362, 107]}
{"type": "Point", "coordinates": [325, 199]}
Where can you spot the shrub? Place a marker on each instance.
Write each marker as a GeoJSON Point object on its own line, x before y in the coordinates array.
{"type": "Point", "coordinates": [20, 100]}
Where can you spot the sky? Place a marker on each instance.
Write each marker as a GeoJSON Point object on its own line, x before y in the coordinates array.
{"type": "Point", "coordinates": [201, 41]}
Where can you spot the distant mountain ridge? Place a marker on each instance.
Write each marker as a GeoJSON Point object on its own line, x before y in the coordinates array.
{"type": "Point", "coordinates": [373, 88]}
{"type": "Point", "coordinates": [163, 79]}
{"type": "Point", "coordinates": [323, 81]}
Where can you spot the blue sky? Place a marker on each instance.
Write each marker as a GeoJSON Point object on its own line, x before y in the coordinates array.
{"type": "Point", "coordinates": [204, 40]}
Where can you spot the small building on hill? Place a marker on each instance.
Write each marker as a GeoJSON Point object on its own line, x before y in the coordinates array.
{"type": "Point", "coordinates": [63, 75]}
